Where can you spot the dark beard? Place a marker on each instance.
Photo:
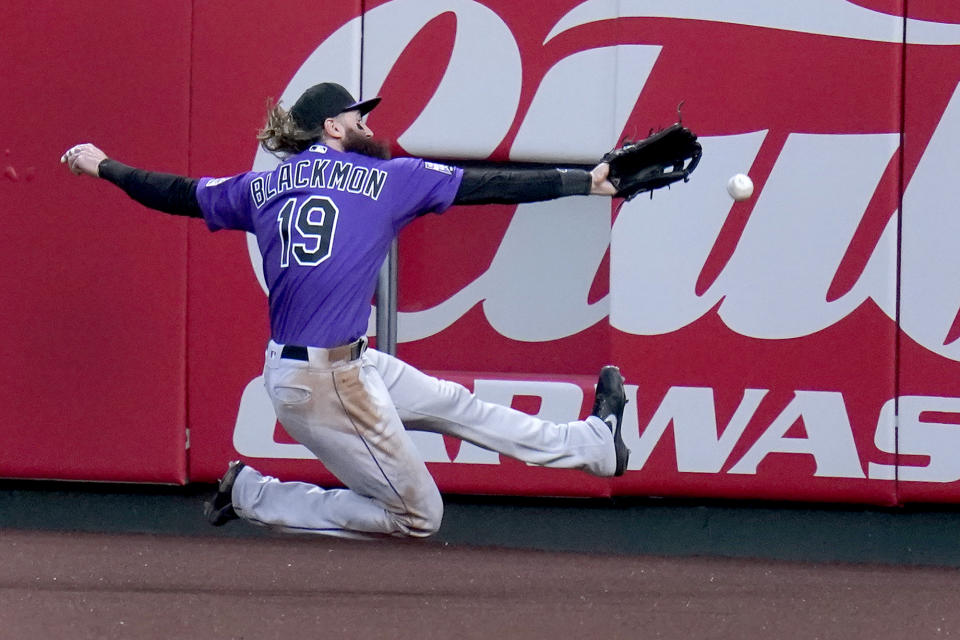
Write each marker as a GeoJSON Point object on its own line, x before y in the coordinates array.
{"type": "Point", "coordinates": [372, 147]}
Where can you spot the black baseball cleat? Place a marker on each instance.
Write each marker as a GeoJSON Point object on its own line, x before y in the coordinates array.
{"type": "Point", "coordinates": [608, 406]}
{"type": "Point", "coordinates": [219, 510]}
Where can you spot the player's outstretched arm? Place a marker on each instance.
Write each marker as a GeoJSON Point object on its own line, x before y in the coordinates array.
{"type": "Point", "coordinates": [495, 185]}
{"type": "Point", "coordinates": [161, 191]}
{"type": "Point", "coordinates": [655, 162]}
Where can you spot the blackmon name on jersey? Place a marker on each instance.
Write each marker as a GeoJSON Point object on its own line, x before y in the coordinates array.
{"type": "Point", "coordinates": [318, 173]}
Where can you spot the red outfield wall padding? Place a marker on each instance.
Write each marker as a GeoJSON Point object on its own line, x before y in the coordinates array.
{"type": "Point", "coordinates": [759, 339]}
{"type": "Point", "coordinates": [94, 286]}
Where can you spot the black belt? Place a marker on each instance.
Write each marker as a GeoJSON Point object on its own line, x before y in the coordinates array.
{"type": "Point", "coordinates": [297, 352]}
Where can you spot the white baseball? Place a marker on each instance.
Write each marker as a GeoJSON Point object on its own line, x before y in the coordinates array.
{"type": "Point", "coordinates": [740, 187]}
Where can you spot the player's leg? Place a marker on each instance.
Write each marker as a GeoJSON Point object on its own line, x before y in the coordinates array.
{"type": "Point", "coordinates": [345, 417]}
{"type": "Point", "coordinates": [427, 403]}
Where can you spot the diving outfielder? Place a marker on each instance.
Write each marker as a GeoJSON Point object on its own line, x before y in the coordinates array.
{"type": "Point", "coordinates": [324, 220]}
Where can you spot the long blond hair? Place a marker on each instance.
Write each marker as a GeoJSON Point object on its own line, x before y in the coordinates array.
{"type": "Point", "coordinates": [281, 136]}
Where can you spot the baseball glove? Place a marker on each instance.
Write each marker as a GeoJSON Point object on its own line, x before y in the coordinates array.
{"type": "Point", "coordinates": [665, 157]}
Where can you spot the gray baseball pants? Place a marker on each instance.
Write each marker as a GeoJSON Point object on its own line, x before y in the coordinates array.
{"type": "Point", "coordinates": [354, 415]}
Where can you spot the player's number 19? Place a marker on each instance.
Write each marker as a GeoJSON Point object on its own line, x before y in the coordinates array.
{"type": "Point", "coordinates": [315, 221]}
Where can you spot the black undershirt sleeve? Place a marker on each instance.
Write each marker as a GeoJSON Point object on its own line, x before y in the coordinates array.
{"type": "Point", "coordinates": [513, 186]}
{"type": "Point", "coordinates": [162, 191]}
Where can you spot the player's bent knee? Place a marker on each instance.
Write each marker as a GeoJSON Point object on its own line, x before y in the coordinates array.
{"type": "Point", "coordinates": [423, 517]}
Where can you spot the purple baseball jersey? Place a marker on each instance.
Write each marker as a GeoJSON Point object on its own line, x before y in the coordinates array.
{"type": "Point", "coordinates": [324, 221]}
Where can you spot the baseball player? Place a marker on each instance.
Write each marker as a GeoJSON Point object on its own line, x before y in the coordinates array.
{"type": "Point", "coordinates": [324, 219]}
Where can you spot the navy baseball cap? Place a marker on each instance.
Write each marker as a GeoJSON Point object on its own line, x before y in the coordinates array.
{"type": "Point", "coordinates": [326, 100]}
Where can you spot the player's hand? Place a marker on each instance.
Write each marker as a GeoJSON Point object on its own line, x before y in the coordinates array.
{"type": "Point", "coordinates": [84, 159]}
{"type": "Point", "coordinates": [601, 186]}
